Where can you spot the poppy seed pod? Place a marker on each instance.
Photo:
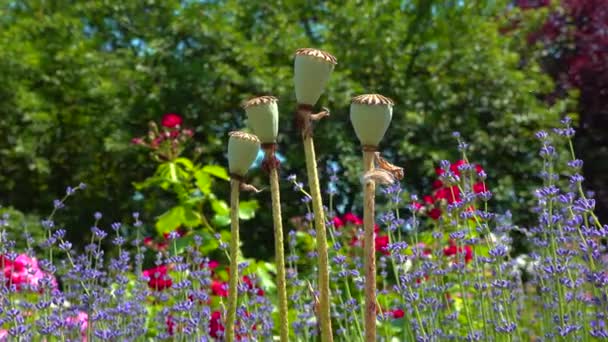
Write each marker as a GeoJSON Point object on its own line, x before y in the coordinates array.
{"type": "Point", "coordinates": [263, 116]}
{"type": "Point", "coordinates": [243, 148]}
{"type": "Point", "coordinates": [371, 115]}
{"type": "Point", "coordinates": [312, 70]}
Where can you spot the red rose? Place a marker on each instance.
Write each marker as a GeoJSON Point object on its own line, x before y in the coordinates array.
{"type": "Point", "coordinates": [435, 213]}
{"type": "Point", "coordinates": [428, 199]}
{"type": "Point", "coordinates": [171, 120]}
{"type": "Point", "coordinates": [479, 187]}
{"type": "Point", "coordinates": [454, 166]}
{"type": "Point", "coordinates": [437, 184]}
{"type": "Point", "coordinates": [382, 244]}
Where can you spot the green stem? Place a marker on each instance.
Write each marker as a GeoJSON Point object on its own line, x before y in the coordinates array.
{"type": "Point", "coordinates": [234, 256]}
{"type": "Point", "coordinates": [279, 255]}
{"type": "Point", "coordinates": [319, 216]}
{"type": "Point", "coordinates": [369, 249]}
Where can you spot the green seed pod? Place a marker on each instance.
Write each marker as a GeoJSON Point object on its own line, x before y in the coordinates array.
{"type": "Point", "coordinates": [263, 116]}
{"type": "Point", "coordinates": [371, 115]}
{"type": "Point", "coordinates": [312, 70]}
{"type": "Point", "coordinates": [242, 150]}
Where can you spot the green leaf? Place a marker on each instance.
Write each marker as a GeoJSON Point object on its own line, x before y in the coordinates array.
{"type": "Point", "coordinates": [203, 181]}
{"type": "Point", "coordinates": [220, 207]}
{"type": "Point", "coordinates": [175, 217]}
{"type": "Point", "coordinates": [220, 220]}
{"type": "Point", "coordinates": [170, 220]}
{"type": "Point", "coordinates": [185, 162]}
{"type": "Point", "coordinates": [217, 171]}
{"type": "Point", "coordinates": [151, 182]}
{"type": "Point", "coordinates": [247, 209]}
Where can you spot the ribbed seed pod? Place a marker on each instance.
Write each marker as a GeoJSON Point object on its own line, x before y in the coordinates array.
{"type": "Point", "coordinates": [242, 150]}
{"type": "Point", "coordinates": [312, 70]}
{"type": "Point", "coordinates": [263, 117]}
{"type": "Point", "coordinates": [371, 115]}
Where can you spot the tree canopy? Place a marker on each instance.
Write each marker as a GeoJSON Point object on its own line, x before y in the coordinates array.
{"type": "Point", "coordinates": [79, 80]}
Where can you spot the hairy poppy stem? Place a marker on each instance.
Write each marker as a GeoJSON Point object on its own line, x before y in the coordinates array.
{"type": "Point", "coordinates": [370, 249]}
{"type": "Point", "coordinates": [317, 207]}
{"type": "Point", "coordinates": [234, 256]}
{"type": "Point", "coordinates": [278, 246]}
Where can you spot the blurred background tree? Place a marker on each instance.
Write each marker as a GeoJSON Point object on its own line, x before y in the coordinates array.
{"type": "Point", "coordinates": [79, 80]}
{"type": "Point", "coordinates": [574, 39]}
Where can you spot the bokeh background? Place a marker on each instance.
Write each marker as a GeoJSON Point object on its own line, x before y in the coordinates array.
{"type": "Point", "coordinates": [80, 79]}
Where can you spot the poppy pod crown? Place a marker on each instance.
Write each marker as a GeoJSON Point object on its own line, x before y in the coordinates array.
{"type": "Point", "coordinates": [312, 70]}
{"type": "Point", "coordinates": [263, 117]}
{"type": "Point", "coordinates": [371, 115]}
{"type": "Point", "coordinates": [242, 150]}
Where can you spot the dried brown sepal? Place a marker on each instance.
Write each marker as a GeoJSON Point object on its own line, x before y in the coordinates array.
{"type": "Point", "coordinates": [249, 188]}
{"type": "Point", "coordinates": [326, 56]}
{"type": "Point", "coordinates": [304, 118]}
{"type": "Point", "coordinates": [384, 164]}
{"type": "Point", "coordinates": [259, 100]}
{"type": "Point", "coordinates": [270, 161]}
{"type": "Point", "coordinates": [372, 99]}
{"type": "Point", "coordinates": [378, 176]}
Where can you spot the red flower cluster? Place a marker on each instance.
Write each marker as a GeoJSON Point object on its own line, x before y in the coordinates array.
{"type": "Point", "coordinates": [453, 250]}
{"type": "Point", "coordinates": [24, 271]}
{"type": "Point", "coordinates": [171, 120]}
{"type": "Point", "coordinates": [397, 313]}
{"type": "Point", "coordinates": [164, 244]}
{"type": "Point", "coordinates": [352, 219]}
{"type": "Point", "coordinates": [446, 194]}
{"type": "Point", "coordinates": [168, 141]}
{"type": "Point", "coordinates": [159, 278]}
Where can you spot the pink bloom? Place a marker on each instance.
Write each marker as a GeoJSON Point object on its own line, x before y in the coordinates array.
{"type": "Point", "coordinates": [213, 264]}
{"type": "Point", "coordinates": [24, 271]}
{"type": "Point", "coordinates": [137, 141]}
{"type": "Point", "coordinates": [171, 120]}
{"type": "Point", "coordinates": [3, 335]}
{"type": "Point", "coordinates": [82, 321]}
